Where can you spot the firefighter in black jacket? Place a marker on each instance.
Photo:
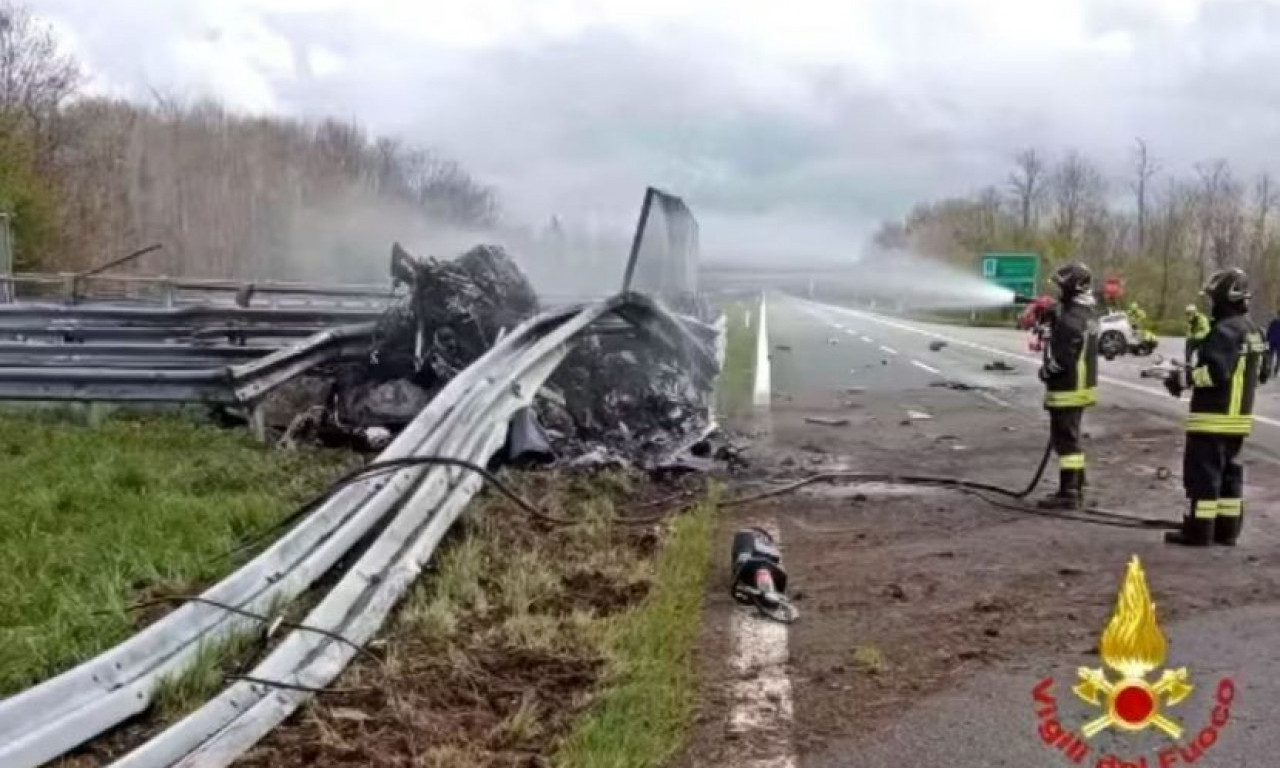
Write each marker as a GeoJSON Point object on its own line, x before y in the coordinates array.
{"type": "Point", "coordinates": [1070, 375]}
{"type": "Point", "coordinates": [1223, 375]}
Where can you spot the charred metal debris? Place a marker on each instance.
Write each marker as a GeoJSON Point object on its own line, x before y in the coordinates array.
{"type": "Point", "coordinates": [618, 399]}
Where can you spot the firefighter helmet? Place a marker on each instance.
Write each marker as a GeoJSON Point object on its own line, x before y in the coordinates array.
{"type": "Point", "coordinates": [1228, 286]}
{"type": "Point", "coordinates": [1191, 309]}
{"type": "Point", "coordinates": [1073, 279]}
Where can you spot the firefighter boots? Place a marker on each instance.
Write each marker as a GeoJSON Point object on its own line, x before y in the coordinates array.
{"type": "Point", "coordinates": [1068, 495]}
{"type": "Point", "coordinates": [1230, 519]}
{"type": "Point", "coordinates": [1197, 528]}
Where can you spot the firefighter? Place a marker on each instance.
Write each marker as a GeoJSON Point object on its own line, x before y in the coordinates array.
{"type": "Point", "coordinates": [1070, 375]}
{"type": "Point", "coordinates": [1137, 318]}
{"type": "Point", "coordinates": [1227, 366]}
{"type": "Point", "coordinates": [1197, 329]}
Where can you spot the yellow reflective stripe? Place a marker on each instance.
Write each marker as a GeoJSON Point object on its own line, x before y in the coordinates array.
{"type": "Point", "coordinates": [1219, 424]}
{"type": "Point", "coordinates": [1074, 399]}
{"type": "Point", "coordinates": [1237, 387]}
{"type": "Point", "coordinates": [1200, 377]}
{"type": "Point", "coordinates": [1071, 461]}
{"type": "Point", "coordinates": [1207, 510]}
{"type": "Point", "coordinates": [1230, 507]}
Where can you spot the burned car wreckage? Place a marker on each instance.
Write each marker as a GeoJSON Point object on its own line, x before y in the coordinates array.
{"type": "Point", "coordinates": [619, 398]}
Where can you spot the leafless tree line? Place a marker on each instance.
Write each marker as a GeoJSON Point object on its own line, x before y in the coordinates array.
{"type": "Point", "coordinates": [1161, 232]}
{"type": "Point", "coordinates": [224, 193]}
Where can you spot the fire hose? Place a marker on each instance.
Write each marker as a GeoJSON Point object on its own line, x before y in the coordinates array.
{"type": "Point", "coordinates": [758, 576]}
{"type": "Point", "coordinates": [984, 491]}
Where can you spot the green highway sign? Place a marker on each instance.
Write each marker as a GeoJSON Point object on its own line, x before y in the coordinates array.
{"type": "Point", "coordinates": [1019, 272]}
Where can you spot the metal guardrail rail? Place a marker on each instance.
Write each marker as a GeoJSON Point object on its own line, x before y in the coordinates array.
{"type": "Point", "coordinates": [239, 384]}
{"type": "Point", "coordinates": [468, 419]}
{"type": "Point", "coordinates": [73, 288]}
{"type": "Point", "coordinates": [144, 316]}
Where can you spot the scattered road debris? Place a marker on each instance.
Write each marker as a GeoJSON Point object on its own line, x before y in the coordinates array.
{"type": "Point", "coordinates": [832, 340]}
{"type": "Point", "coordinates": [936, 345]}
{"type": "Point", "coordinates": [918, 416]}
{"type": "Point", "coordinates": [854, 390]}
{"type": "Point", "coordinates": [782, 347]}
{"type": "Point", "coordinates": [998, 365]}
{"type": "Point", "coordinates": [1163, 473]}
{"type": "Point", "coordinates": [826, 422]}
{"type": "Point", "coordinates": [959, 386]}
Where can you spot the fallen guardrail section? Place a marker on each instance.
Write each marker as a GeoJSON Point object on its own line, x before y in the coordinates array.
{"type": "Point", "coordinates": [468, 419]}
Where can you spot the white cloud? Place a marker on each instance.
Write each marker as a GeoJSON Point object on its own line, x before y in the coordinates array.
{"type": "Point", "coordinates": [828, 115]}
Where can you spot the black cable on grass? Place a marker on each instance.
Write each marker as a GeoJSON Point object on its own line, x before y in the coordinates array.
{"type": "Point", "coordinates": [296, 686]}
{"type": "Point", "coordinates": [389, 466]}
{"type": "Point", "coordinates": [262, 617]}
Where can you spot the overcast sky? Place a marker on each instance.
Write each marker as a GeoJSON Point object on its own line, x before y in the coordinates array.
{"type": "Point", "coordinates": [788, 125]}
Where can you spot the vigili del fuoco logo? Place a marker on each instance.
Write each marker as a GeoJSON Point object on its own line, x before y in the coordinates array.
{"type": "Point", "coordinates": [1137, 694]}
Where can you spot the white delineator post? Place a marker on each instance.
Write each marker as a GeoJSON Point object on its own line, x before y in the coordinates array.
{"type": "Point", "coordinates": [761, 396]}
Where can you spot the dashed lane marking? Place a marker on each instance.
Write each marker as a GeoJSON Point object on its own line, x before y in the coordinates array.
{"type": "Point", "coordinates": [1149, 391]}
{"type": "Point", "coordinates": [889, 350]}
{"type": "Point", "coordinates": [996, 400]}
{"type": "Point", "coordinates": [925, 367]}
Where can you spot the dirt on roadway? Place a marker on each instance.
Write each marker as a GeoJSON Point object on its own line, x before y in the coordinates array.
{"type": "Point", "coordinates": [907, 592]}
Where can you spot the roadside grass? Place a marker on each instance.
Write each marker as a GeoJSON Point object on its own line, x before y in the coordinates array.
{"type": "Point", "coordinates": [526, 643]}
{"type": "Point", "coordinates": [734, 392]}
{"type": "Point", "coordinates": [644, 715]}
{"type": "Point", "coordinates": [94, 519]}
{"type": "Point", "coordinates": [180, 694]}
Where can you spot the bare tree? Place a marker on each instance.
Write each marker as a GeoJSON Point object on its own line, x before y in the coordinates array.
{"type": "Point", "coordinates": [990, 211]}
{"type": "Point", "coordinates": [890, 236]}
{"type": "Point", "coordinates": [36, 77]}
{"type": "Point", "coordinates": [1220, 219]}
{"type": "Point", "coordinates": [1265, 199]}
{"type": "Point", "coordinates": [1077, 189]}
{"type": "Point", "coordinates": [1144, 168]}
{"type": "Point", "coordinates": [1172, 230]}
{"type": "Point", "coordinates": [1027, 183]}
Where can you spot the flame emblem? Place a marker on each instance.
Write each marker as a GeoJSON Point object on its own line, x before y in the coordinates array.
{"type": "Point", "coordinates": [1133, 646]}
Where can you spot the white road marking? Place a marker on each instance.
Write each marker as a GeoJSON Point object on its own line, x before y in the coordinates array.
{"type": "Point", "coordinates": [996, 400]}
{"type": "Point", "coordinates": [867, 339]}
{"type": "Point", "coordinates": [760, 396]}
{"type": "Point", "coordinates": [762, 698]}
{"type": "Point", "coordinates": [890, 350]}
{"type": "Point", "coordinates": [924, 367]}
{"type": "Point", "coordinates": [1149, 391]}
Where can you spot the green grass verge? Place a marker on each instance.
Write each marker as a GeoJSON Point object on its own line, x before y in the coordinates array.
{"type": "Point", "coordinates": [644, 715]}
{"type": "Point", "coordinates": [95, 518]}
{"type": "Point", "coordinates": [737, 380]}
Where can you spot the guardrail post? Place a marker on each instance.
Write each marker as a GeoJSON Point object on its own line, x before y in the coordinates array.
{"type": "Point", "coordinates": [258, 423]}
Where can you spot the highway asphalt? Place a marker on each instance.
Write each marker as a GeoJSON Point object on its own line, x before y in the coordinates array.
{"type": "Point", "coordinates": [990, 719]}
